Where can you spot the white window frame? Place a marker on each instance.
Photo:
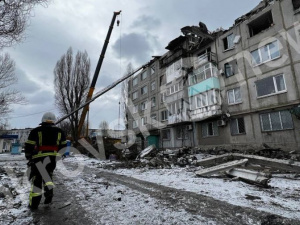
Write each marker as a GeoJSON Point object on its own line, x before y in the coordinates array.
{"type": "Point", "coordinates": [164, 115]}
{"type": "Point", "coordinates": [144, 121]}
{"type": "Point", "coordinates": [259, 50]}
{"type": "Point", "coordinates": [144, 75]}
{"type": "Point", "coordinates": [144, 90]}
{"type": "Point", "coordinates": [135, 109]}
{"type": "Point", "coordinates": [270, 121]}
{"type": "Point", "coordinates": [153, 101]}
{"type": "Point", "coordinates": [275, 86]}
{"type": "Point", "coordinates": [235, 101]}
{"type": "Point", "coordinates": [202, 96]}
{"type": "Point", "coordinates": [143, 106]}
{"type": "Point", "coordinates": [153, 86]}
{"type": "Point", "coordinates": [135, 124]}
{"type": "Point", "coordinates": [134, 95]}
{"type": "Point", "coordinates": [229, 41]}
{"type": "Point", "coordinates": [163, 97]}
{"type": "Point", "coordinates": [135, 81]}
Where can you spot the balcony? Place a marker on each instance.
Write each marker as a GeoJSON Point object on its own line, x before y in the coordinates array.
{"type": "Point", "coordinates": [206, 85]}
{"type": "Point", "coordinates": [202, 73]}
{"type": "Point", "coordinates": [205, 112]}
{"type": "Point", "coordinates": [205, 58]}
{"type": "Point", "coordinates": [178, 118]}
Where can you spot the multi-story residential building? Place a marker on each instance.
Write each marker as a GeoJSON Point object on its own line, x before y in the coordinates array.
{"type": "Point", "coordinates": [235, 88]}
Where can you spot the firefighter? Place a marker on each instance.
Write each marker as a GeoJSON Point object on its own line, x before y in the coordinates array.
{"type": "Point", "coordinates": [41, 149]}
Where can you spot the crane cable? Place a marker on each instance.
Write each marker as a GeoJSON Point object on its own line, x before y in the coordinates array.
{"type": "Point", "coordinates": [120, 55]}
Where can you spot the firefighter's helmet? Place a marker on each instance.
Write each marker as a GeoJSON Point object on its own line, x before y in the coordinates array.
{"type": "Point", "coordinates": [48, 117]}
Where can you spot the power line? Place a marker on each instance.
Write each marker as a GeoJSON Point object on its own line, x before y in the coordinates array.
{"type": "Point", "coordinates": [28, 114]}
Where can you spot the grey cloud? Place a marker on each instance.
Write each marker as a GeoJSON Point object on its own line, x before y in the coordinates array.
{"type": "Point", "coordinates": [146, 22]}
{"type": "Point", "coordinates": [24, 84]}
{"type": "Point", "coordinates": [135, 47]}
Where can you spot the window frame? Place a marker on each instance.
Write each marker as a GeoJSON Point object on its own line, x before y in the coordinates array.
{"type": "Point", "coordinates": [133, 81]}
{"type": "Point", "coordinates": [153, 85]}
{"type": "Point", "coordinates": [213, 125]}
{"type": "Point", "coordinates": [135, 124]}
{"type": "Point", "coordinates": [168, 132]}
{"type": "Point", "coordinates": [144, 121]}
{"type": "Point", "coordinates": [270, 121]}
{"type": "Point", "coordinates": [236, 121]}
{"type": "Point", "coordinates": [260, 50]}
{"type": "Point", "coordinates": [153, 103]}
{"type": "Point", "coordinates": [275, 86]}
{"type": "Point", "coordinates": [164, 115]}
{"type": "Point", "coordinates": [234, 96]}
{"type": "Point", "coordinates": [227, 41]}
{"type": "Point", "coordinates": [133, 95]}
{"type": "Point", "coordinates": [143, 92]}
{"type": "Point", "coordinates": [144, 75]}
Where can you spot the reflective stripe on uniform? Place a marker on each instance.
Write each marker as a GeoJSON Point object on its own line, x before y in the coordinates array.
{"type": "Point", "coordinates": [30, 142]}
{"type": "Point", "coordinates": [49, 184]}
{"type": "Point", "coordinates": [64, 143]}
{"type": "Point", "coordinates": [33, 194]}
{"type": "Point", "coordinates": [58, 138]}
{"type": "Point", "coordinates": [45, 154]}
{"type": "Point", "coordinates": [40, 138]}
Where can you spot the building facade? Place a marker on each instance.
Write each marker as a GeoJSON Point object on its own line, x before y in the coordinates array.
{"type": "Point", "coordinates": [235, 88]}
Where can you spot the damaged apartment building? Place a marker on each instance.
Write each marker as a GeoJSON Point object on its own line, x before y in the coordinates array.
{"type": "Point", "coordinates": [237, 88]}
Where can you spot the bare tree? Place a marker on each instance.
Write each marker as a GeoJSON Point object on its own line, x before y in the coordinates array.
{"type": "Point", "coordinates": [14, 15]}
{"type": "Point", "coordinates": [71, 85]}
{"type": "Point", "coordinates": [104, 128]}
{"type": "Point", "coordinates": [8, 95]}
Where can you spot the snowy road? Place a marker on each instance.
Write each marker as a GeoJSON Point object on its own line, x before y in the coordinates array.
{"type": "Point", "coordinates": [85, 193]}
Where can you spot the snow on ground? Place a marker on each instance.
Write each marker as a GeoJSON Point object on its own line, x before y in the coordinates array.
{"type": "Point", "coordinates": [281, 199]}
{"type": "Point", "coordinates": [100, 199]}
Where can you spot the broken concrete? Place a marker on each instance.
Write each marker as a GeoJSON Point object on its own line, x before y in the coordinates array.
{"type": "Point", "coordinates": [220, 168]}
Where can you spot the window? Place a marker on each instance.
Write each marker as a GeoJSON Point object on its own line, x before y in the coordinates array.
{"type": "Point", "coordinates": [173, 107]}
{"type": "Point", "coordinates": [166, 134]}
{"type": "Point", "coordinates": [153, 85]}
{"type": "Point", "coordinates": [265, 53]}
{"type": "Point", "coordinates": [270, 85]}
{"type": "Point", "coordinates": [163, 97]}
{"type": "Point", "coordinates": [144, 75]}
{"type": "Point", "coordinates": [210, 129]}
{"type": "Point", "coordinates": [234, 96]}
{"type": "Point", "coordinates": [135, 124]}
{"type": "Point", "coordinates": [281, 120]}
{"type": "Point", "coordinates": [144, 105]}
{"type": "Point", "coordinates": [134, 81]}
{"type": "Point", "coordinates": [228, 42]}
{"type": "Point", "coordinates": [162, 80]}
{"type": "Point", "coordinates": [260, 24]}
{"type": "Point", "coordinates": [202, 73]}
{"type": "Point", "coordinates": [201, 100]}
{"type": "Point", "coordinates": [144, 90]}
{"type": "Point", "coordinates": [153, 102]}
{"type": "Point", "coordinates": [152, 70]}
{"type": "Point", "coordinates": [230, 68]}
{"type": "Point", "coordinates": [174, 70]}
{"type": "Point", "coordinates": [134, 95]}
{"type": "Point", "coordinates": [164, 115]}
{"type": "Point", "coordinates": [174, 88]}
{"type": "Point", "coordinates": [237, 126]}
{"type": "Point", "coordinates": [144, 121]}
{"type": "Point", "coordinates": [296, 4]}
{"type": "Point", "coordinates": [153, 118]}
{"type": "Point", "coordinates": [135, 109]}
{"type": "Point", "coordinates": [181, 133]}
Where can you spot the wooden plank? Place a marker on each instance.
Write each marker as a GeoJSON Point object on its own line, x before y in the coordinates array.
{"type": "Point", "coordinates": [221, 167]}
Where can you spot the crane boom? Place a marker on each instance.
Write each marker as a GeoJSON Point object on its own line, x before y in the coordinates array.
{"type": "Point", "coordinates": [103, 91]}
{"type": "Point", "coordinates": [97, 70]}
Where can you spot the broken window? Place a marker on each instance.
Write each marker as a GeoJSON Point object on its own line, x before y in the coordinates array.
{"type": "Point", "coordinates": [237, 126]}
{"type": "Point", "coordinates": [228, 42]}
{"type": "Point", "coordinates": [281, 120]}
{"type": "Point", "coordinates": [134, 95]}
{"type": "Point", "coordinates": [265, 53]}
{"type": "Point", "coordinates": [162, 80]}
{"type": "Point", "coordinates": [134, 81]}
{"type": "Point", "coordinates": [153, 102]}
{"type": "Point", "coordinates": [270, 85]}
{"type": "Point", "coordinates": [163, 97]}
{"type": "Point", "coordinates": [144, 75]}
{"type": "Point", "coordinates": [166, 134]}
{"type": "Point", "coordinates": [164, 115]}
{"type": "Point", "coordinates": [153, 86]}
{"type": "Point", "coordinates": [296, 4]}
{"type": "Point", "coordinates": [202, 73]}
{"type": "Point", "coordinates": [230, 68]}
{"type": "Point", "coordinates": [210, 129]}
{"type": "Point", "coordinates": [174, 70]}
{"type": "Point", "coordinates": [144, 90]}
{"type": "Point", "coordinates": [260, 24]}
{"type": "Point", "coordinates": [181, 132]}
{"type": "Point", "coordinates": [153, 118]}
{"type": "Point", "coordinates": [135, 108]}
{"type": "Point", "coordinates": [152, 70]}
{"type": "Point", "coordinates": [234, 96]}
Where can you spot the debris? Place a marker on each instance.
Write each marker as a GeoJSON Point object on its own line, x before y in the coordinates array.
{"type": "Point", "coordinates": [252, 197]}
{"type": "Point", "coordinates": [64, 205]}
{"type": "Point", "coordinates": [220, 168]}
{"type": "Point", "coordinates": [146, 151]}
{"type": "Point", "coordinates": [250, 176]}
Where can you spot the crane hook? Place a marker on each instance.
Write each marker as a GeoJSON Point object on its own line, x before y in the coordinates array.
{"type": "Point", "coordinates": [118, 22]}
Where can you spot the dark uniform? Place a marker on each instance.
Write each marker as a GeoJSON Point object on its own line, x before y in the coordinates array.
{"type": "Point", "coordinates": [41, 149]}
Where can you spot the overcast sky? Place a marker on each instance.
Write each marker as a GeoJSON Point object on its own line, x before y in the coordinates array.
{"type": "Point", "coordinates": [146, 28]}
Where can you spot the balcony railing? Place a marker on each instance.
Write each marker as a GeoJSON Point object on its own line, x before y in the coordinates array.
{"type": "Point", "coordinates": [202, 73]}
{"type": "Point", "coordinates": [205, 58]}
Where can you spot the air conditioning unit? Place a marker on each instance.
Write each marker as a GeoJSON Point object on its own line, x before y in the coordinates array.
{"type": "Point", "coordinates": [221, 123]}
{"type": "Point", "coordinates": [189, 127]}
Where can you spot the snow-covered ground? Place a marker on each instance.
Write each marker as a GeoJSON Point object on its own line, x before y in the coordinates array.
{"type": "Point", "coordinates": [131, 207]}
